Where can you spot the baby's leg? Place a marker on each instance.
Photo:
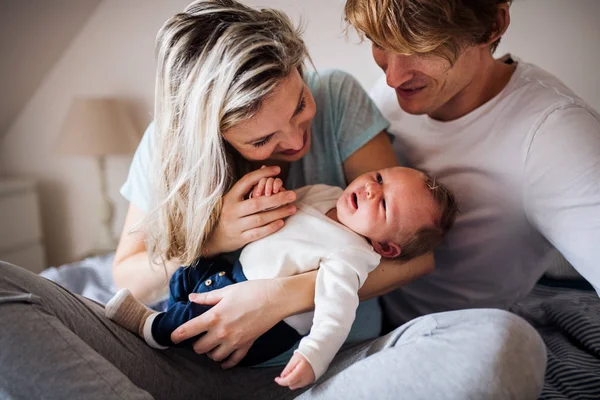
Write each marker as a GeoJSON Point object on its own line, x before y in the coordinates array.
{"type": "Point", "coordinates": [131, 314]}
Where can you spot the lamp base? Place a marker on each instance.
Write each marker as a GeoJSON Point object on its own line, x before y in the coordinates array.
{"type": "Point", "coordinates": [105, 241]}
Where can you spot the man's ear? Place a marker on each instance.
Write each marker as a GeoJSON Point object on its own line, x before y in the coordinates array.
{"type": "Point", "coordinates": [502, 22]}
{"type": "Point", "coordinates": [387, 249]}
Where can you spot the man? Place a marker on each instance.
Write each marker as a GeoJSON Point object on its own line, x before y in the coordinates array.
{"type": "Point", "coordinates": [518, 148]}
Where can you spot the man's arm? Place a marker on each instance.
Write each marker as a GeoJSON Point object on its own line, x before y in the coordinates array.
{"type": "Point", "coordinates": [562, 186]}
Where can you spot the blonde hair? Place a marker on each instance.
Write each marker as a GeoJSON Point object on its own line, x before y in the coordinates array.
{"type": "Point", "coordinates": [438, 27]}
{"type": "Point", "coordinates": [217, 63]}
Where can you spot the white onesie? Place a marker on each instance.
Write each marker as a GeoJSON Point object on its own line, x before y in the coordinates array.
{"type": "Point", "coordinates": [310, 240]}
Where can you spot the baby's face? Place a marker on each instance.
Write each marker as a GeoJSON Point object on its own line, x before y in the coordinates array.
{"type": "Point", "coordinates": [387, 205]}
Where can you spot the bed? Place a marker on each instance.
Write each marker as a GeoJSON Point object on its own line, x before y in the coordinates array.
{"type": "Point", "coordinates": [566, 313]}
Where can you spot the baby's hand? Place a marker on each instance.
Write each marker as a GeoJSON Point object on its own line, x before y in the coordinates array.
{"type": "Point", "coordinates": [267, 187]}
{"type": "Point", "coordinates": [297, 373]}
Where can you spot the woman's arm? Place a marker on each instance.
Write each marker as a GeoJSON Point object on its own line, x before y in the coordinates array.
{"type": "Point", "coordinates": [241, 222]}
{"type": "Point", "coordinates": [132, 268]}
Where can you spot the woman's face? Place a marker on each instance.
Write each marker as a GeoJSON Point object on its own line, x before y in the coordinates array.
{"type": "Point", "coordinates": [280, 131]}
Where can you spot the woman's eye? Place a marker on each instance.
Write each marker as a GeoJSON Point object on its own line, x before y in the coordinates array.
{"type": "Point", "coordinates": [301, 107]}
{"type": "Point", "coordinates": [379, 179]}
{"type": "Point", "coordinates": [262, 142]}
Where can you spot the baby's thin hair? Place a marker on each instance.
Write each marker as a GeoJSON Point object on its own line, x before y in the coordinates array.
{"type": "Point", "coordinates": [428, 238]}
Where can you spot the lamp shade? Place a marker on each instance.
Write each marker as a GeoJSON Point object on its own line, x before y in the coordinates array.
{"type": "Point", "coordinates": [97, 127]}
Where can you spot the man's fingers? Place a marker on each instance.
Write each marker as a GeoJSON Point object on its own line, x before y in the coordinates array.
{"type": "Point", "coordinates": [248, 181]}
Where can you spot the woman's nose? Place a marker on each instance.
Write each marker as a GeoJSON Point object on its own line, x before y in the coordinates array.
{"type": "Point", "coordinates": [295, 139]}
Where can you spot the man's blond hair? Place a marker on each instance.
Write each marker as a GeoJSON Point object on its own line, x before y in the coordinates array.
{"type": "Point", "coordinates": [437, 27]}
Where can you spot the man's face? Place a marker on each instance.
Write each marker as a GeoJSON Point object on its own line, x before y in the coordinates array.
{"type": "Point", "coordinates": [428, 84]}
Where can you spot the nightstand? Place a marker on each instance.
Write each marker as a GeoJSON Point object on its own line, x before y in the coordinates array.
{"type": "Point", "coordinates": [21, 239]}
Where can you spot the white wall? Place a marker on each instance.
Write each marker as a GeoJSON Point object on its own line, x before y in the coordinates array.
{"type": "Point", "coordinates": [561, 36]}
{"type": "Point", "coordinates": [113, 55]}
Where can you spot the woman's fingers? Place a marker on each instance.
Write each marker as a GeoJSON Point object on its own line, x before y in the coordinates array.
{"type": "Point", "coordinates": [235, 357]}
{"type": "Point", "coordinates": [258, 204]}
{"type": "Point", "coordinates": [219, 353]}
{"type": "Point", "coordinates": [266, 217]}
{"type": "Point", "coordinates": [191, 328]}
{"type": "Point", "coordinates": [201, 323]}
{"type": "Point", "coordinates": [251, 179]}
{"type": "Point", "coordinates": [206, 298]}
{"type": "Point", "coordinates": [261, 232]}
{"type": "Point", "coordinates": [207, 343]}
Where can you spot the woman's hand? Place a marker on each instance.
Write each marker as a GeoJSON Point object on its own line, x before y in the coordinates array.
{"type": "Point", "coordinates": [241, 313]}
{"type": "Point", "coordinates": [245, 220]}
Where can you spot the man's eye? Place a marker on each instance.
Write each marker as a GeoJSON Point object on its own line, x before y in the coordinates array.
{"type": "Point", "coordinates": [379, 179]}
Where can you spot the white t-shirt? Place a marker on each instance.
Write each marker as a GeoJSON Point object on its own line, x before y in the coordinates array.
{"type": "Point", "coordinates": [310, 240]}
{"type": "Point", "coordinates": [525, 169]}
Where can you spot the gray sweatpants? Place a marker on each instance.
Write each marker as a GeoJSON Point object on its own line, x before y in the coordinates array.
{"type": "Point", "coordinates": [57, 345]}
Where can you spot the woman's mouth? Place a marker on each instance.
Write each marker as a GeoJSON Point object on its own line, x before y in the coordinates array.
{"type": "Point", "coordinates": [291, 152]}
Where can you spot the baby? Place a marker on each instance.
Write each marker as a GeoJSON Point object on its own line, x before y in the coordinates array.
{"type": "Point", "coordinates": [393, 213]}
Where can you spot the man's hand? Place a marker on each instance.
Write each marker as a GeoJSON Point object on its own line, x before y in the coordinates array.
{"type": "Point", "coordinates": [297, 373]}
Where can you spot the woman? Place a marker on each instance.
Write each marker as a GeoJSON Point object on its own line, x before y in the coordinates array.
{"type": "Point", "coordinates": [231, 96]}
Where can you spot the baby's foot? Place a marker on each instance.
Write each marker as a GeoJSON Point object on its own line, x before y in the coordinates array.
{"type": "Point", "coordinates": [127, 311]}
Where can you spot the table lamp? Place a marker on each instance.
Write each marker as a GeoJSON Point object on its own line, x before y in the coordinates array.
{"type": "Point", "coordinates": [99, 127]}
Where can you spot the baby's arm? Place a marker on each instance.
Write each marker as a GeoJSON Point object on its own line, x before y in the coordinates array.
{"type": "Point", "coordinates": [338, 280]}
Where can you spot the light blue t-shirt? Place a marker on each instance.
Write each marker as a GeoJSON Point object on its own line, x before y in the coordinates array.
{"type": "Point", "coordinates": [345, 120]}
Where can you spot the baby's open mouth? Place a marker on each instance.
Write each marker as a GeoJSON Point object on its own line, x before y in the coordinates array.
{"type": "Point", "coordinates": [354, 199]}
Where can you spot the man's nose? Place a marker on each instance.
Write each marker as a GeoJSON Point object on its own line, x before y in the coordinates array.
{"type": "Point", "coordinates": [397, 71]}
